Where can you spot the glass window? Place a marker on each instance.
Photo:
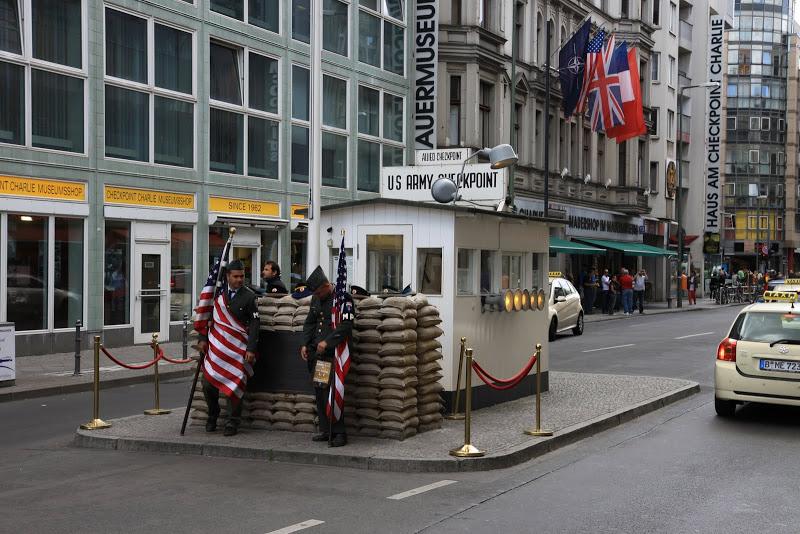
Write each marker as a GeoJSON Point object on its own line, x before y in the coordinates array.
{"type": "Point", "coordinates": [264, 14]}
{"type": "Point", "coordinates": [488, 282]}
{"type": "Point", "coordinates": [511, 274]}
{"type": "Point", "coordinates": [126, 46]}
{"type": "Point", "coordinates": [301, 20]}
{"type": "Point", "coordinates": [230, 8]}
{"type": "Point", "coordinates": [384, 263]}
{"type": "Point", "coordinates": [368, 105]}
{"type": "Point", "coordinates": [369, 166]}
{"type": "Point", "coordinates": [369, 39]}
{"type": "Point", "coordinates": [429, 271]}
{"type": "Point", "coordinates": [393, 117]}
{"type": "Point", "coordinates": [393, 156]}
{"type": "Point", "coordinates": [181, 276]}
{"type": "Point", "coordinates": [173, 59]}
{"type": "Point", "coordinates": [263, 83]}
{"type": "Point", "coordinates": [334, 102]}
{"type": "Point", "coordinates": [57, 31]}
{"type": "Point", "coordinates": [226, 141]}
{"type": "Point", "coordinates": [224, 73]}
{"type": "Point", "coordinates": [262, 147]}
{"type": "Point", "coordinates": [334, 27]}
{"type": "Point", "coordinates": [465, 278]}
{"type": "Point", "coordinates": [300, 93]}
{"type": "Point", "coordinates": [10, 40]}
{"type": "Point", "coordinates": [299, 154]}
{"type": "Point", "coordinates": [217, 236]}
{"type": "Point", "coordinates": [393, 8]}
{"type": "Point", "coordinates": [68, 272]}
{"type": "Point", "coordinates": [174, 132]}
{"type": "Point", "coordinates": [116, 292]}
{"type": "Point", "coordinates": [334, 160]}
{"type": "Point", "coordinates": [537, 261]}
{"type": "Point", "coordinates": [12, 105]}
{"type": "Point", "coordinates": [56, 111]}
{"type": "Point", "coordinates": [298, 257]}
{"type": "Point", "coordinates": [372, 4]}
{"type": "Point", "coordinates": [127, 124]}
{"type": "Point", "coordinates": [27, 272]}
{"type": "Point", "coordinates": [269, 248]}
{"type": "Point", "coordinates": [393, 48]}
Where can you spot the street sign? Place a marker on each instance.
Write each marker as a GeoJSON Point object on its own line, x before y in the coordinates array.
{"type": "Point", "coordinates": [443, 156]}
{"type": "Point", "coordinates": [478, 182]}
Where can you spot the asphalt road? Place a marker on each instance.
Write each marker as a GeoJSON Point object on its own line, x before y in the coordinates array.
{"type": "Point", "coordinates": [680, 469]}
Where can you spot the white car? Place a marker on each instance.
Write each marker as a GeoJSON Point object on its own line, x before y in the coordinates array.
{"type": "Point", "coordinates": [566, 311]}
{"type": "Point", "coordinates": [759, 359]}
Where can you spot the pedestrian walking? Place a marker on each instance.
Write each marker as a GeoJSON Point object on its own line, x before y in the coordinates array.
{"type": "Point", "coordinates": [604, 288]}
{"type": "Point", "coordinates": [590, 291]}
{"type": "Point", "coordinates": [684, 283]}
{"type": "Point", "coordinates": [639, 285]}
{"type": "Point", "coordinates": [692, 285]}
{"type": "Point", "coordinates": [613, 293]}
{"type": "Point", "coordinates": [626, 284]}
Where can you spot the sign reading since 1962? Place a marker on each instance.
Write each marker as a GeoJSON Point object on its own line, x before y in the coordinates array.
{"type": "Point", "coordinates": [243, 206]}
{"type": "Point", "coordinates": [478, 182]}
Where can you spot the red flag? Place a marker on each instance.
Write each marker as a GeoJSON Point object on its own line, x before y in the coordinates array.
{"type": "Point", "coordinates": [631, 104]}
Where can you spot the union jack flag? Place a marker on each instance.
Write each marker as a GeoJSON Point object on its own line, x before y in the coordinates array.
{"type": "Point", "coordinates": [593, 50]}
{"type": "Point", "coordinates": [605, 91]}
{"type": "Point", "coordinates": [341, 306]}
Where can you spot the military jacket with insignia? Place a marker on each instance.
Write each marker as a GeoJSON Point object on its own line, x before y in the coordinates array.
{"type": "Point", "coordinates": [244, 309]}
{"type": "Point", "coordinates": [318, 325]}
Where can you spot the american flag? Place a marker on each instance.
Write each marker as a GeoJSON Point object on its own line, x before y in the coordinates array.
{"type": "Point", "coordinates": [224, 365]}
{"type": "Point", "coordinates": [593, 50]}
{"type": "Point", "coordinates": [342, 353]}
{"type": "Point", "coordinates": [605, 92]}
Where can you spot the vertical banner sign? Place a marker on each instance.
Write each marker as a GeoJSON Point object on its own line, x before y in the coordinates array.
{"type": "Point", "coordinates": [714, 126]}
{"type": "Point", "coordinates": [426, 46]}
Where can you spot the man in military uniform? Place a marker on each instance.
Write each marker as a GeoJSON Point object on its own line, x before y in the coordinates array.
{"type": "Point", "coordinates": [319, 342]}
{"type": "Point", "coordinates": [242, 306]}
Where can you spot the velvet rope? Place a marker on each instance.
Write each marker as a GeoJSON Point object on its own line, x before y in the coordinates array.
{"type": "Point", "coordinates": [129, 366]}
{"type": "Point", "coordinates": [503, 384]}
{"type": "Point", "coordinates": [170, 360]}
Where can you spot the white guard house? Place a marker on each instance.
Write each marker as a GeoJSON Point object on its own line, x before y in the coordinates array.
{"type": "Point", "coordinates": [463, 259]}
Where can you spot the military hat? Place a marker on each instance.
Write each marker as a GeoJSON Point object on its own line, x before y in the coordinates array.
{"type": "Point", "coordinates": [407, 290]}
{"type": "Point", "coordinates": [359, 291]}
{"type": "Point", "coordinates": [316, 279]}
{"type": "Point", "coordinates": [236, 265]}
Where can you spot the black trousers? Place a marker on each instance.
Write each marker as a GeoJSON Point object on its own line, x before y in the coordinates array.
{"type": "Point", "coordinates": [321, 395]}
{"type": "Point", "coordinates": [211, 394]}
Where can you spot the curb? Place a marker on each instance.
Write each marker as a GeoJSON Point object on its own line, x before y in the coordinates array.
{"type": "Point", "coordinates": [514, 456]}
{"type": "Point", "coordinates": [64, 389]}
{"type": "Point", "coordinates": [619, 316]}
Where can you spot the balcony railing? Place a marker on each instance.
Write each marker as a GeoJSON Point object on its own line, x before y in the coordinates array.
{"type": "Point", "coordinates": [685, 35]}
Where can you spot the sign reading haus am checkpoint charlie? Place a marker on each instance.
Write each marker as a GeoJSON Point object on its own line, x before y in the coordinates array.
{"type": "Point", "coordinates": [478, 182]}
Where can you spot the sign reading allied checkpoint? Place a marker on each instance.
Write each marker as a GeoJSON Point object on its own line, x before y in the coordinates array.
{"type": "Point", "coordinates": [478, 182]}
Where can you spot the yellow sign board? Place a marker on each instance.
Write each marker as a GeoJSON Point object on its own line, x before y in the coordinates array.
{"type": "Point", "coordinates": [147, 197]}
{"type": "Point", "coordinates": [780, 296]}
{"type": "Point", "coordinates": [243, 206]}
{"type": "Point", "coordinates": [792, 281]}
{"type": "Point", "coordinates": [554, 274]}
{"type": "Point", "coordinates": [18, 186]}
{"type": "Point", "coordinates": [296, 208]}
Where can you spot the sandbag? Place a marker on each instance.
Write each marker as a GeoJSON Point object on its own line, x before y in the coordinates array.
{"type": "Point", "coordinates": [434, 387]}
{"type": "Point", "coordinates": [430, 320]}
{"type": "Point", "coordinates": [429, 378]}
{"type": "Point", "coordinates": [366, 414]}
{"type": "Point", "coordinates": [429, 332]}
{"type": "Point", "coordinates": [398, 404]}
{"type": "Point", "coordinates": [397, 393]}
{"type": "Point", "coordinates": [400, 417]}
{"type": "Point", "coordinates": [398, 383]}
{"type": "Point", "coordinates": [368, 358]}
{"type": "Point", "coordinates": [397, 302]}
{"type": "Point", "coordinates": [430, 367]}
{"type": "Point", "coordinates": [367, 323]}
{"type": "Point", "coordinates": [425, 345]}
{"type": "Point", "coordinates": [283, 416]}
{"type": "Point", "coordinates": [367, 336]}
{"type": "Point", "coordinates": [369, 303]}
{"type": "Point", "coordinates": [397, 372]}
{"type": "Point", "coordinates": [369, 369]}
{"type": "Point", "coordinates": [399, 336]}
{"type": "Point", "coordinates": [429, 356]}
{"type": "Point", "coordinates": [399, 361]}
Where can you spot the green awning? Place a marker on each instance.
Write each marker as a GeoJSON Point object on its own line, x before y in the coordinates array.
{"type": "Point", "coordinates": [571, 247]}
{"type": "Point", "coordinates": [631, 249]}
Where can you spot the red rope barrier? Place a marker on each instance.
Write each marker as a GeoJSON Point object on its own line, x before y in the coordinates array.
{"type": "Point", "coordinates": [129, 366]}
{"type": "Point", "coordinates": [170, 360]}
{"type": "Point", "coordinates": [501, 384]}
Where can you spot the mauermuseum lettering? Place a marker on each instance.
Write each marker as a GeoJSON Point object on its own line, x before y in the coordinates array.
{"type": "Point", "coordinates": [426, 22]}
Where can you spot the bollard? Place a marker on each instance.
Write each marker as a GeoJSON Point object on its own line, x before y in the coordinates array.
{"type": "Point", "coordinates": [157, 410]}
{"type": "Point", "coordinates": [185, 336]}
{"type": "Point", "coordinates": [538, 431]}
{"type": "Point", "coordinates": [455, 415]}
{"type": "Point", "coordinates": [467, 450]}
{"type": "Point", "coordinates": [96, 423]}
{"type": "Point", "coordinates": [77, 348]}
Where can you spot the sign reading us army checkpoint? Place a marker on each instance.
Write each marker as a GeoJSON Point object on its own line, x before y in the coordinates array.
{"type": "Point", "coordinates": [478, 182]}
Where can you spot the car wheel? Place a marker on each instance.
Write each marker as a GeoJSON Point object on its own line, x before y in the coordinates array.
{"type": "Point", "coordinates": [578, 330]}
{"type": "Point", "coordinates": [551, 335]}
{"type": "Point", "coordinates": [724, 408]}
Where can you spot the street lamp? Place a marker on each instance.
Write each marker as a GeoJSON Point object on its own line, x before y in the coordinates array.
{"type": "Point", "coordinates": [678, 209]}
{"type": "Point", "coordinates": [445, 190]}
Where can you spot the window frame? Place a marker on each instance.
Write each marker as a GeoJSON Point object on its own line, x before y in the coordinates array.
{"type": "Point", "coordinates": [384, 19]}
{"type": "Point", "coordinates": [379, 139]}
{"type": "Point", "coordinates": [246, 16]}
{"type": "Point", "coordinates": [349, 52]}
{"type": "Point", "coordinates": [301, 123]}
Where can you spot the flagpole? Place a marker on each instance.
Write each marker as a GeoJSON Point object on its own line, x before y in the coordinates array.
{"type": "Point", "coordinates": [546, 108]}
{"type": "Point", "coordinates": [315, 177]}
{"type": "Point", "coordinates": [514, 37]}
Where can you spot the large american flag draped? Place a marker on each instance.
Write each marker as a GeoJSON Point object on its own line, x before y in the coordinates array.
{"type": "Point", "coordinates": [224, 365]}
{"type": "Point", "coordinates": [605, 92]}
{"type": "Point", "coordinates": [342, 353]}
{"type": "Point", "coordinates": [593, 50]}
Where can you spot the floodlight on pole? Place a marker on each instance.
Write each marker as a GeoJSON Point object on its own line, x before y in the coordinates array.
{"type": "Point", "coordinates": [445, 190]}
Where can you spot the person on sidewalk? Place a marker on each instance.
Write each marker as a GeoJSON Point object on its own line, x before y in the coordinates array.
{"type": "Point", "coordinates": [639, 285]}
{"type": "Point", "coordinates": [684, 283]}
{"type": "Point", "coordinates": [319, 342]}
{"type": "Point", "coordinates": [271, 274]}
{"type": "Point", "coordinates": [590, 291]}
{"type": "Point", "coordinates": [242, 306]}
{"type": "Point", "coordinates": [613, 293]}
{"type": "Point", "coordinates": [604, 288]}
{"type": "Point", "coordinates": [626, 284]}
{"type": "Point", "coordinates": [692, 285]}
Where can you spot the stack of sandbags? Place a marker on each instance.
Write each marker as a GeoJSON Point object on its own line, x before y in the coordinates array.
{"type": "Point", "coordinates": [300, 313]}
{"type": "Point", "coordinates": [267, 308]}
{"type": "Point", "coordinates": [284, 316]}
{"type": "Point", "coordinates": [366, 344]}
{"type": "Point", "coordinates": [429, 368]}
{"type": "Point", "coordinates": [199, 413]}
{"type": "Point", "coordinates": [397, 378]}
{"type": "Point", "coordinates": [257, 410]}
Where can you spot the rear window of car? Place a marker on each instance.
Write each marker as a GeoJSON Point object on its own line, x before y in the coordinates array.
{"type": "Point", "coordinates": [767, 327]}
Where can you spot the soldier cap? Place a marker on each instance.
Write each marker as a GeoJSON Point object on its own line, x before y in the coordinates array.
{"type": "Point", "coordinates": [359, 291]}
{"type": "Point", "coordinates": [316, 279]}
{"type": "Point", "coordinates": [235, 265]}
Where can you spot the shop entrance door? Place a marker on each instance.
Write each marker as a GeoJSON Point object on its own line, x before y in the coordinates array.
{"type": "Point", "coordinates": [151, 310]}
{"type": "Point", "coordinates": [249, 258]}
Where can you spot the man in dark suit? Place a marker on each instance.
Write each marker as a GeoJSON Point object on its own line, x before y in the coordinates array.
{"type": "Point", "coordinates": [241, 303]}
{"type": "Point", "coordinates": [271, 274]}
{"type": "Point", "coordinates": [319, 343]}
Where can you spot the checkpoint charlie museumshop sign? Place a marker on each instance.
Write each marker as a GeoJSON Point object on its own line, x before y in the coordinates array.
{"type": "Point", "coordinates": [478, 182]}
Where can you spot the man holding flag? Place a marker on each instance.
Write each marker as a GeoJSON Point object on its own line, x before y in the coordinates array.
{"type": "Point", "coordinates": [326, 334]}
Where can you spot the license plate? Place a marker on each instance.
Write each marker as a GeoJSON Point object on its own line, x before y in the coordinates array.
{"type": "Point", "coordinates": [779, 365]}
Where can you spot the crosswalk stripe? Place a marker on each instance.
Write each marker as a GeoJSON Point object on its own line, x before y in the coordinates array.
{"type": "Point", "coordinates": [308, 523]}
{"type": "Point", "coordinates": [421, 489]}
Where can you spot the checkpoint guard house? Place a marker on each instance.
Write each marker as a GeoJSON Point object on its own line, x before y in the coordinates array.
{"type": "Point", "coordinates": [463, 257]}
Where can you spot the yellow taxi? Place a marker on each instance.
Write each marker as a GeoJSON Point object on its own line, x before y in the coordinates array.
{"type": "Point", "coordinates": [759, 360]}
{"type": "Point", "coordinates": [565, 309]}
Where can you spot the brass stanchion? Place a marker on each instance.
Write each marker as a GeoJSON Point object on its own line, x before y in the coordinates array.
{"type": "Point", "coordinates": [96, 423]}
{"type": "Point", "coordinates": [538, 431]}
{"type": "Point", "coordinates": [468, 450]}
{"type": "Point", "coordinates": [455, 415]}
{"type": "Point", "coordinates": [157, 410]}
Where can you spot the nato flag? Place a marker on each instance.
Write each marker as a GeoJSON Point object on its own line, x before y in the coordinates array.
{"type": "Point", "coordinates": [571, 64]}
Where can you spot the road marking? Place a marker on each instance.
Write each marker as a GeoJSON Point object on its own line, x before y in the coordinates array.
{"type": "Point", "coordinates": [609, 348]}
{"type": "Point", "coordinates": [308, 523]}
{"type": "Point", "coordinates": [695, 335]}
{"type": "Point", "coordinates": [421, 489]}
